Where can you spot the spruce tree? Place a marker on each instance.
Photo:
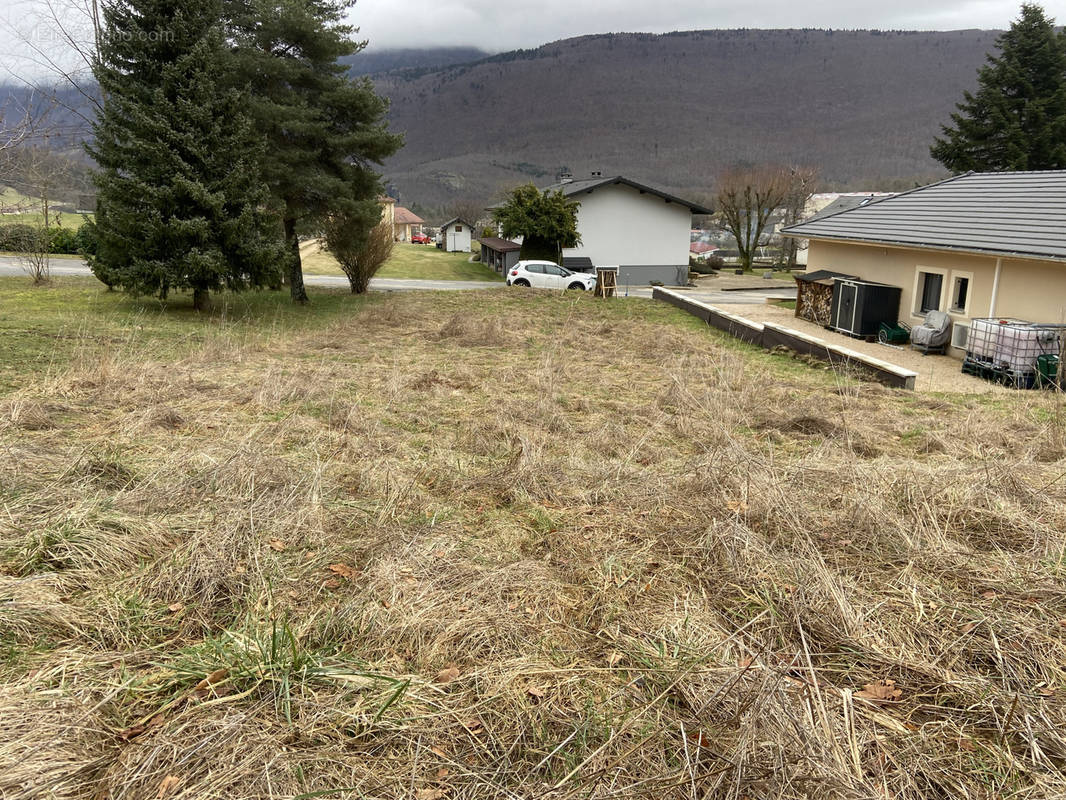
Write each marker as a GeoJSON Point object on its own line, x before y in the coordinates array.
{"type": "Point", "coordinates": [324, 131]}
{"type": "Point", "coordinates": [181, 204]}
{"type": "Point", "coordinates": [1017, 118]}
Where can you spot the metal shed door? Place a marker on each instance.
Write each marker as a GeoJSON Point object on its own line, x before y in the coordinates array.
{"type": "Point", "coordinates": [846, 306]}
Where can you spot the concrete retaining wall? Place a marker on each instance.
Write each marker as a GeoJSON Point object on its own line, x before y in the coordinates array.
{"type": "Point", "coordinates": [770, 335]}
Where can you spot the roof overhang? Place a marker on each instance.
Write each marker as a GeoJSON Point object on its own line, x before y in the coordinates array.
{"type": "Point", "coordinates": [902, 245]}
{"type": "Point", "coordinates": [584, 187]}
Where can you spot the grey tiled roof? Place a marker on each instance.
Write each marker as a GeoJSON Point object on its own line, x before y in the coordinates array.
{"type": "Point", "coordinates": [845, 203]}
{"type": "Point", "coordinates": [998, 213]}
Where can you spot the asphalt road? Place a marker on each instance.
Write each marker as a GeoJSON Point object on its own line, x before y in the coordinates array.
{"type": "Point", "coordinates": [72, 266]}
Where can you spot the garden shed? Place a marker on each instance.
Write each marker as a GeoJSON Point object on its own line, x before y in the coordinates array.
{"type": "Point", "coordinates": [814, 295]}
{"type": "Point", "coordinates": [455, 235]}
{"type": "Point", "coordinates": [498, 254]}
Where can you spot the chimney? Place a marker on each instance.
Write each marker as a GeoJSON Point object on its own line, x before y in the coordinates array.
{"type": "Point", "coordinates": [566, 177]}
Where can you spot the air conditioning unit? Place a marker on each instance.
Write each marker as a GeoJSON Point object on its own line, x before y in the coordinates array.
{"type": "Point", "coordinates": [960, 335]}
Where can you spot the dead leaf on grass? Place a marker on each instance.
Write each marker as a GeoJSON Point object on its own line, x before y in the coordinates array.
{"type": "Point", "coordinates": [167, 785]}
{"type": "Point", "coordinates": [443, 773]}
{"type": "Point", "coordinates": [136, 730]}
{"type": "Point", "coordinates": [437, 750]}
{"type": "Point", "coordinates": [738, 506]}
{"type": "Point", "coordinates": [429, 794]}
{"type": "Point", "coordinates": [448, 675]}
{"type": "Point", "coordinates": [331, 583]}
{"type": "Point", "coordinates": [276, 545]}
{"type": "Point", "coordinates": [989, 595]}
{"type": "Point", "coordinates": [207, 685]}
{"type": "Point", "coordinates": [473, 725]}
{"type": "Point", "coordinates": [343, 570]}
{"type": "Point", "coordinates": [613, 658]}
{"type": "Point", "coordinates": [174, 608]}
{"type": "Point", "coordinates": [535, 692]}
{"type": "Point", "coordinates": [883, 691]}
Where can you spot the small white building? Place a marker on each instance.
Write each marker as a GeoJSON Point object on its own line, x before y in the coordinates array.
{"type": "Point", "coordinates": [455, 235]}
{"type": "Point", "coordinates": [642, 230]}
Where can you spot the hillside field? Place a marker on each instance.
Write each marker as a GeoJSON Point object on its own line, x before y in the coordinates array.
{"type": "Point", "coordinates": [506, 544]}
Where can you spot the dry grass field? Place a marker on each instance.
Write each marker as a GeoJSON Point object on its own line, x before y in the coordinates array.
{"type": "Point", "coordinates": [510, 545]}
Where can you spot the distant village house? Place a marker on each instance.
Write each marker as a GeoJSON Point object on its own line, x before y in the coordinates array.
{"type": "Point", "coordinates": [406, 224]}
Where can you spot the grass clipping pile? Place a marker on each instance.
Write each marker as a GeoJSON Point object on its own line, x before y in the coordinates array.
{"type": "Point", "coordinates": [493, 546]}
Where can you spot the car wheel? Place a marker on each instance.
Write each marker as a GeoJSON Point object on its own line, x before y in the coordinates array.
{"type": "Point", "coordinates": [521, 282]}
{"type": "Point", "coordinates": [576, 285]}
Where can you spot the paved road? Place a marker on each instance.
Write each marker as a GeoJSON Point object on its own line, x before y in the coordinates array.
{"type": "Point", "coordinates": [73, 266]}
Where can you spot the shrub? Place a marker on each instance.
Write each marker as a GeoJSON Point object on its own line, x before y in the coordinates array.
{"type": "Point", "coordinates": [63, 240]}
{"type": "Point", "coordinates": [17, 238]}
{"type": "Point", "coordinates": [359, 254]}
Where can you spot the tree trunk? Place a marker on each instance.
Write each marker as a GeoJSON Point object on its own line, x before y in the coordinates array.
{"type": "Point", "coordinates": [296, 273]}
{"type": "Point", "coordinates": [201, 300]}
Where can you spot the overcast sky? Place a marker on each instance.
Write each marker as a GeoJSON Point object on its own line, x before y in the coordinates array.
{"type": "Point", "coordinates": [29, 39]}
{"type": "Point", "coordinates": [498, 25]}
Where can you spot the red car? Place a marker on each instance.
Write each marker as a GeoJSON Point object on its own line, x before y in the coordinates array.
{"type": "Point", "coordinates": [420, 238]}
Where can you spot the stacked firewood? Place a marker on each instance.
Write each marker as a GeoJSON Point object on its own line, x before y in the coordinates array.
{"type": "Point", "coordinates": [814, 302]}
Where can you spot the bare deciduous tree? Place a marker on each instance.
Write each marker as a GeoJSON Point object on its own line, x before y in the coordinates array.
{"type": "Point", "coordinates": [360, 256]}
{"type": "Point", "coordinates": [41, 175]}
{"type": "Point", "coordinates": [59, 40]}
{"type": "Point", "coordinates": [745, 200]}
{"type": "Point", "coordinates": [801, 185]}
{"type": "Point", "coordinates": [468, 208]}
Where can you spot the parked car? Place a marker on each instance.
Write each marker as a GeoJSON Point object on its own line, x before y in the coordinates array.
{"type": "Point", "coordinates": [420, 238]}
{"type": "Point", "coordinates": [548, 275]}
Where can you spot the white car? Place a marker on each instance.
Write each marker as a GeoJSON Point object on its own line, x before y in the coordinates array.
{"type": "Point", "coordinates": [548, 275]}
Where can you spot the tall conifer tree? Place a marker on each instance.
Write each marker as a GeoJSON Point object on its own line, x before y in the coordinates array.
{"type": "Point", "coordinates": [1017, 119]}
{"type": "Point", "coordinates": [325, 131]}
{"type": "Point", "coordinates": [181, 204]}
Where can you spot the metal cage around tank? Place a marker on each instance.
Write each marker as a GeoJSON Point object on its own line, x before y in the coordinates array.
{"type": "Point", "coordinates": [1014, 351]}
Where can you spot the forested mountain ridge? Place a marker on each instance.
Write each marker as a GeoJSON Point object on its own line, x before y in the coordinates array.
{"type": "Point", "coordinates": [368, 62]}
{"type": "Point", "coordinates": [675, 109]}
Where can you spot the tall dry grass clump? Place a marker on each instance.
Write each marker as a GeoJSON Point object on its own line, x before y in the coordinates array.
{"type": "Point", "coordinates": [489, 546]}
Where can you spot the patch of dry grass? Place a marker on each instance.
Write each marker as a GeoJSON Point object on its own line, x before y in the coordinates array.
{"type": "Point", "coordinates": [498, 546]}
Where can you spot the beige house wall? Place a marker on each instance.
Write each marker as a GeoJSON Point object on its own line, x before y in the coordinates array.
{"type": "Point", "coordinates": [388, 208]}
{"type": "Point", "coordinates": [1029, 290]}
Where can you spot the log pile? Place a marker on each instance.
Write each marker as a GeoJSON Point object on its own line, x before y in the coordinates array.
{"type": "Point", "coordinates": [814, 301]}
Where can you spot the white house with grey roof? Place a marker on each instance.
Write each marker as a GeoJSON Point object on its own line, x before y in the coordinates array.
{"type": "Point", "coordinates": [641, 229]}
{"type": "Point", "coordinates": [976, 245]}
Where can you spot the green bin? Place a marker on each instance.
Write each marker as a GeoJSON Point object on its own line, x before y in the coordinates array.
{"type": "Point", "coordinates": [1047, 369]}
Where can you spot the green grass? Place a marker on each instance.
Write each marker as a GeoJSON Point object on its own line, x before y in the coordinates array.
{"type": "Point", "coordinates": [31, 214]}
{"type": "Point", "coordinates": [41, 327]}
{"type": "Point", "coordinates": [410, 261]}
{"type": "Point", "coordinates": [64, 219]}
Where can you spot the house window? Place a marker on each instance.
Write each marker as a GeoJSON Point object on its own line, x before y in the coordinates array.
{"type": "Point", "coordinates": [930, 286]}
{"type": "Point", "coordinates": [961, 284]}
{"type": "Point", "coordinates": [458, 228]}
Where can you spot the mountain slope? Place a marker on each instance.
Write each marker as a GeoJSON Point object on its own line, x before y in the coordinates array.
{"type": "Point", "coordinates": [675, 109]}
{"type": "Point", "coordinates": [368, 62]}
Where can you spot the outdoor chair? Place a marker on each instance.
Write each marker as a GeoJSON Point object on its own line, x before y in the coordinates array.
{"type": "Point", "coordinates": [933, 335]}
